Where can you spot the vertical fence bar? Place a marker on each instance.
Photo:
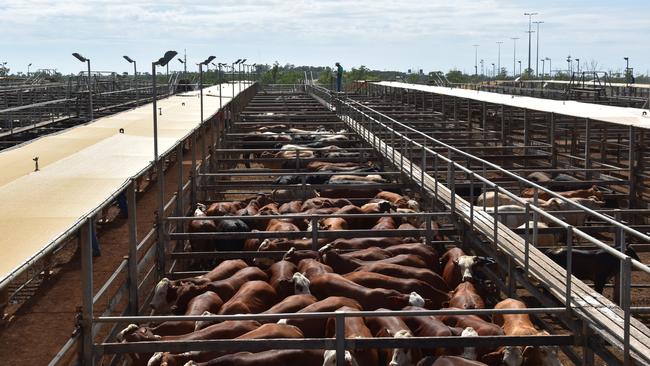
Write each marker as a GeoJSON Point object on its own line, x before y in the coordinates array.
{"type": "Point", "coordinates": [569, 260]}
{"type": "Point", "coordinates": [340, 340]}
{"type": "Point", "coordinates": [87, 288]}
{"type": "Point", "coordinates": [133, 252]}
{"type": "Point", "coordinates": [626, 303]}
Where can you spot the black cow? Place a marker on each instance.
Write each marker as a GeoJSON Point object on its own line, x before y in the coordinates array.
{"type": "Point", "coordinates": [231, 226]}
{"type": "Point", "coordinates": [596, 265]}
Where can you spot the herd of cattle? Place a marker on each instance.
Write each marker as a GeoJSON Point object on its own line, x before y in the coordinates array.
{"type": "Point", "coordinates": [331, 275]}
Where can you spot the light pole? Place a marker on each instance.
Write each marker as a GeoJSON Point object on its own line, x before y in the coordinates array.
{"type": "Point", "coordinates": [514, 56]}
{"type": "Point", "coordinates": [519, 61]}
{"type": "Point", "coordinates": [494, 74]}
{"type": "Point", "coordinates": [475, 58]}
{"type": "Point", "coordinates": [537, 53]}
{"type": "Point", "coordinates": [499, 43]}
{"type": "Point", "coordinates": [627, 68]}
{"type": "Point", "coordinates": [182, 62]}
{"type": "Point", "coordinates": [482, 68]}
{"type": "Point", "coordinates": [232, 70]}
{"type": "Point", "coordinates": [239, 75]}
{"type": "Point", "coordinates": [135, 76]}
{"type": "Point", "coordinates": [206, 63]}
{"type": "Point", "coordinates": [28, 66]}
{"type": "Point", "coordinates": [253, 72]}
{"type": "Point", "coordinates": [550, 67]}
{"type": "Point", "coordinates": [578, 61]}
{"type": "Point", "coordinates": [219, 81]}
{"type": "Point", "coordinates": [90, 94]}
{"type": "Point", "coordinates": [542, 70]}
{"type": "Point", "coordinates": [160, 250]}
{"type": "Point", "coordinates": [568, 64]}
{"type": "Point", "coordinates": [530, 32]}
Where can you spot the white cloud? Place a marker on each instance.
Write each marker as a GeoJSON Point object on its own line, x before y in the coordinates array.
{"type": "Point", "coordinates": [437, 31]}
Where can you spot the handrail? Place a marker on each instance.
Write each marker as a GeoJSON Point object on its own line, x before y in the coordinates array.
{"type": "Point", "coordinates": [609, 249]}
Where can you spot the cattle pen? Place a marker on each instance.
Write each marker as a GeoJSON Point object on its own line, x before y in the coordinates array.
{"type": "Point", "coordinates": [442, 150]}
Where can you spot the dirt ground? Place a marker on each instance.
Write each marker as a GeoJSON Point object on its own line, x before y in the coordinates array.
{"type": "Point", "coordinates": [45, 322]}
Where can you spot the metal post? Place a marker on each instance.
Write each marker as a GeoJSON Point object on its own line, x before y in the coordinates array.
{"type": "Point", "coordinates": [626, 300]}
{"type": "Point", "coordinates": [553, 142]}
{"type": "Point", "coordinates": [135, 82]}
{"type": "Point", "coordinates": [201, 90]}
{"type": "Point", "coordinates": [87, 294]}
{"type": "Point", "coordinates": [340, 339]}
{"type": "Point", "coordinates": [133, 251]}
{"type": "Point", "coordinates": [631, 168]}
{"type": "Point", "coordinates": [90, 92]}
{"type": "Point", "coordinates": [587, 149]}
{"type": "Point", "coordinates": [569, 259]}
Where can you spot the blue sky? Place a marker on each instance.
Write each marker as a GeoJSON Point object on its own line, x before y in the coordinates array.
{"type": "Point", "coordinates": [392, 35]}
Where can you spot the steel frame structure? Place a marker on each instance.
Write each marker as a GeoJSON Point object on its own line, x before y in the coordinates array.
{"type": "Point", "coordinates": [397, 145]}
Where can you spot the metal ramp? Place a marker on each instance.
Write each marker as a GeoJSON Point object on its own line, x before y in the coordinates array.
{"type": "Point", "coordinates": [588, 85]}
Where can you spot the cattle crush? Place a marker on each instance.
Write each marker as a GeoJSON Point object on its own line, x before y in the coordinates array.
{"type": "Point", "coordinates": [323, 222]}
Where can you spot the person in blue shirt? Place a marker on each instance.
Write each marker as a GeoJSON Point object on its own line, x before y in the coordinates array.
{"type": "Point", "coordinates": [339, 76]}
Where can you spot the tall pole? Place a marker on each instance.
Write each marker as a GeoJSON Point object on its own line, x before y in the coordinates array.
{"type": "Point", "coordinates": [550, 67]}
{"type": "Point", "coordinates": [530, 32]}
{"type": "Point", "coordinates": [135, 81]}
{"type": "Point", "coordinates": [514, 56]}
{"type": "Point", "coordinates": [220, 86]}
{"type": "Point", "coordinates": [542, 69]}
{"type": "Point", "coordinates": [184, 61]}
{"type": "Point", "coordinates": [499, 56]}
{"type": "Point", "coordinates": [578, 61]}
{"type": "Point", "coordinates": [537, 53]}
{"type": "Point", "coordinates": [90, 92]}
{"type": "Point", "coordinates": [201, 88]}
{"type": "Point", "coordinates": [475, 58]}
{"type": "Point", "coordinates": [155, 116]}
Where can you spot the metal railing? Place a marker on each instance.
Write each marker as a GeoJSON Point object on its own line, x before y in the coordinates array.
{"type": "Point", "coordinates": [401, 139]}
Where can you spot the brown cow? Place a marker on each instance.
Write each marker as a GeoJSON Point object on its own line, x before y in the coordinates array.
{"type": "Point", "coordinates": [521, 325]}
{"type": "Point", "coordinates": [421, 250]}
{"type": "Point", "coordinates": [457, 266]}
{"type": "Point", "coordinates": [312, 268]}
{"type": "Point", "coordinates": [385, 223]}
{"type": "Point", "coordinates": [578, 193]}
{"type": "Point", "coordinates": [225, 330]}
{"type": "Point", "coordinates": [198, 305]}
{"type": "Point", "coordinates": [265, 331]}
{"type": "Point", "coordinates": [465, 296]}
{"type": "Point", "coordinates": [315, 327]}
{"type": "Point", "coordinates": [295, 256]}
{"type": "Point", "coordinates": [291, 304]}
{"type": "Point", "coordinates": [354, 328]}
{"type": "Point", "coordinates": [368, 254]}
{"type": "Point", "coordinates": [480, 326]}
{"type": "Point", "coordinates": [363, 222]}
{"type": "Point", "coordinates": [393, 327]}
{"type": "Point", "coordinates": [224, 208]}
{"type": "Point", "coordinates": [343, 265]}
{"type": "Point", "coordinates": [201, 226]}
{"type": "Point", "coordinates": [428, 326]}
{"type": "Point", "coordinates": [324, 202]}
{"type": "Point", "coordinates": [292, 207]}
{"type": "Point", "coordinates": [363, 243]}
{"type": "Point", "coordinates": [399, 200]}
{"type": "Point", "coordinates": [253, 297]}
{"type": "Point", "coordinates": [396, 270]}
{"type": "Point", "coordinates": [331, 223]}
{"type": "Point", "coordinates": [281, 278]}
{"type": "Point", "coordinates": [403, 285]}
{"type": "Point", "coordinates": [267, 358]}
{"type": "Point", "coordinates": [281, 225]}
{"type": "Point", "coordinates": [331, 284]}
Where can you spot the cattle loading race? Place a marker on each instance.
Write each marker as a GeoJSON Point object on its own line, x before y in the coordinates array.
{"type": "Point", "coordinates": [391, 224]}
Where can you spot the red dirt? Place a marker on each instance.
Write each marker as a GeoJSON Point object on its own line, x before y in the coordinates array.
{"type": "Point", "coordinates": [45, 322]}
